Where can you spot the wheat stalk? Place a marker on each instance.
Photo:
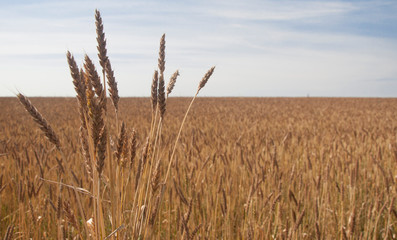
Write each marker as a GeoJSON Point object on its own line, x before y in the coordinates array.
{"type": "Point", "coordinates": [202, 83]}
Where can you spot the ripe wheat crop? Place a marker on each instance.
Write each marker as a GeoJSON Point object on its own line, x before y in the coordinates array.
{"type": "Point", "coordinates": [105, 167]}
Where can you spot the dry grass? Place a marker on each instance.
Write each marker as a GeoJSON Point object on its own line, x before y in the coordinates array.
{"type": "Point", "coordinates": [233, 168]}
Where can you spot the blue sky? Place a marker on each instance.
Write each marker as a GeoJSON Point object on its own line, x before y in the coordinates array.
{"type": "Point", "coordinates": [260, 48]}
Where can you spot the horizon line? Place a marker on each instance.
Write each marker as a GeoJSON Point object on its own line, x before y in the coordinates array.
{"type": "Point", "coordinates": [369, 97]}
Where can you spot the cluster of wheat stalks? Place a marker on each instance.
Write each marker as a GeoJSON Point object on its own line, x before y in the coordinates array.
{"type": "Point", "coordinates": [133, 204]}
{"type": "Point", "coordinates": [242, 169]}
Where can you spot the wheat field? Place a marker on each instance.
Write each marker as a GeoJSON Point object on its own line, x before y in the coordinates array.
{"type": "Point", "coordinates": [103, 167]}
{"type": "Point", "coordinates": [245, 168]}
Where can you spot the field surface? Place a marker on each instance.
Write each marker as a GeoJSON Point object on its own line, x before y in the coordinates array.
{"type": "Point", "coordinates": [243, 168]}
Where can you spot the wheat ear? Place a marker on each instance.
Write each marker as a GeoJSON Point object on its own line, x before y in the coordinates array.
{"type": "Point", "coordinates": [40, 120]}
{"type": "Point", "coordinates": [161, 87]}
{"type": "Point", "coordinates": [113, 90]}
{"type": "Point", "coordinates": [92, 74]}
{"type": "Point", "coordinates": [204, 80]}
{"type": "Point", "coordinates": [154, 89]}
{"type": "Point", "coordinates": [102, 52]}
{"type": "Point", "coordinates": [171, 83]}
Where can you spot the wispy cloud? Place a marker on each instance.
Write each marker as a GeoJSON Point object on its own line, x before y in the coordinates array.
{"type": "Point", "coordinates": [283, 10]}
